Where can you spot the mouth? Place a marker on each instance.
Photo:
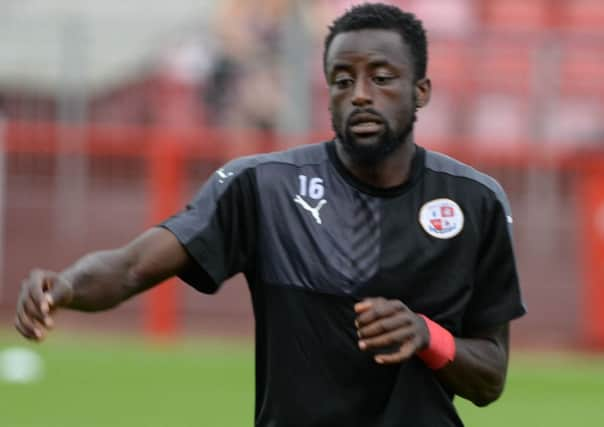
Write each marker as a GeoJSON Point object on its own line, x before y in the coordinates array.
{"type": "Point", "coordinates": [366, 128]}
{"type": "Point", "coordinates": [364, 124]}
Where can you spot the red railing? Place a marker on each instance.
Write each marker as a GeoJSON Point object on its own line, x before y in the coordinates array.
{"type": "Point", "coordinates": [166, 151]}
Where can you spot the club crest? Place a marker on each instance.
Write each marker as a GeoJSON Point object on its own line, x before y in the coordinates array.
{"type": "Point", "coordinates": [441, 218]}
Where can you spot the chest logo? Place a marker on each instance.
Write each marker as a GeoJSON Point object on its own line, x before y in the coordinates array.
{"type": "Point", "coordinates": [313, 188]}
{"type": "Point", "coordinates": [314, 211]}
{"type": "Point", "coordinates": [441, 218]}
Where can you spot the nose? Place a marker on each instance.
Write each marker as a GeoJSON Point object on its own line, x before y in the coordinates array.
{"type": "Point", "coordinates": [362, 93]}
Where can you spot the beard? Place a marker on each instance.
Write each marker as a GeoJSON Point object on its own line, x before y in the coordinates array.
{"type": "Point", "coordinates": [369, 154]}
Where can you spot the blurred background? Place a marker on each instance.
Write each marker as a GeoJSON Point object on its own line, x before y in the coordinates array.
{"type": "Point", "coordinates": [113, 113]}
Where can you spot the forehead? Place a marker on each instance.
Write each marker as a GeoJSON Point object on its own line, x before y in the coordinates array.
{"type": "Point", "coordinates": [362, 45]}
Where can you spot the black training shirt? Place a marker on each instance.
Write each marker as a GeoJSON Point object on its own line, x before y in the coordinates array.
{"type": "Point", "coordinates": [312, 241]}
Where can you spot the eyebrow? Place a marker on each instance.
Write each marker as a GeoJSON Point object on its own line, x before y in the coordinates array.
{"type": "Point", "coordinates": [341, 65]}
{"type": "Point", "coordinates": [380, 63]}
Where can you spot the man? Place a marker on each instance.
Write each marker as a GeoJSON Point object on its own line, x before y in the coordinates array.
{"type": "Point", "coordinates": [382, 274]}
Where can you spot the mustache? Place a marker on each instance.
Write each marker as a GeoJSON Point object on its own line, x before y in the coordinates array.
{"type": "Point", "coordinates": [364, 111]}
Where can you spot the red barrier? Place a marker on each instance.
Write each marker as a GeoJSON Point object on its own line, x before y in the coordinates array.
{"type": "Point", "coordinates": [167, 152]}
{"type": "Point", "coordinates": [591, 192]}
{"type": "Point", "coordinates": [166, 175]}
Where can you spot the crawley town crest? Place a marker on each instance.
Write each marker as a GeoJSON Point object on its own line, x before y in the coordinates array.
{"type": "Point", "coordinates": [441, 218]}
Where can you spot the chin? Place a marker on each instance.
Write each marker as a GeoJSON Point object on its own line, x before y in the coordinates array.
{"type": "Point", "coordinates": [365, 144]}
{"type": "Point", "coordinates": [368, 150]}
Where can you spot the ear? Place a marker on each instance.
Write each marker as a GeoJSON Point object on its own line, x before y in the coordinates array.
{"type": "Point", "coordinates": [423, 91]}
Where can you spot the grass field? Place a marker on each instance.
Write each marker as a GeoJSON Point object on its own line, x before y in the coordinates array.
{"type": "Point", "coordinates": [102, 381]}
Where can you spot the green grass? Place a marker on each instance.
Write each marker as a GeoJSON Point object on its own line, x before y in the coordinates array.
{"type": "Point", "coordinates": [128, 383]}
{"type": "Point", "coordinates": [102, 381]}
{"type": "Point", "coordinates": [545, 390]}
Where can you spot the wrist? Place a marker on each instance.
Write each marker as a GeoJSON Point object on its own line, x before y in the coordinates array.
{"type": "Point", "coordinates": [441, 346]}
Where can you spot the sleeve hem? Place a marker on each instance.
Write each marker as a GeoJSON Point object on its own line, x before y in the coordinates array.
{"type": "Point", "coordinates": [495, 317]}
{"type": "Point", "coordinates": [196, 250]}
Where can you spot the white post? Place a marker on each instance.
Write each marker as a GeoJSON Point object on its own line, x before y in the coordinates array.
{"type": "Point", "coordinates": [295, 117]}
{"type": "Point", "coordinates": [72, 169]}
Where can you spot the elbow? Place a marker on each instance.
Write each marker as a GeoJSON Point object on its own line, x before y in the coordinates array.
{"type": "Point", "coordinates": [485, 399]}
{"type": "Point", "coordinates": [488, 393]}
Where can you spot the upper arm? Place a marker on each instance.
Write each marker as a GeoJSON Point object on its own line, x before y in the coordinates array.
{"type": "Point", "coordinates": [499, 335]}
{"type": "Point", "coordinates": [153, 257]}
{"type": "Point", "coordinates": [480, 366]}
{"type": "Point", "coordinates": [218, 228]}
{"type": "Point", "coordinates": [496, 297]}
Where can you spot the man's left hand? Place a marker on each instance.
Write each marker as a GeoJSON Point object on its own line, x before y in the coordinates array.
{"type": "Point", "coordinates": [390, 329]}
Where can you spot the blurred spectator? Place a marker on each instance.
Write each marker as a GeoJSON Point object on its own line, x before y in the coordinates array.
{"type": "Point", "coordinates": [2, 107]}
{"type": "Point", "coordinates": [243, 89]}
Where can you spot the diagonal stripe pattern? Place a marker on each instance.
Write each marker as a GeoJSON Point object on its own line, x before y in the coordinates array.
{"type": "Point", "coordinates": [364, 252]}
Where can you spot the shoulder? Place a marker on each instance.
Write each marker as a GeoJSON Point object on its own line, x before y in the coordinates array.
{"type": "Point", "coordinates": [471, 178]}
{"type": "Point", "coordinates": [298, 156]}
{"type": "Point", "coordinates": [243, 172]}
{"type": "Point", "coordinates": [441, 163]}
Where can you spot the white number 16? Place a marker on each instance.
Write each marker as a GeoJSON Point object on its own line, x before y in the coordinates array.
{"type": "Point", "coordinates": [314, 188]}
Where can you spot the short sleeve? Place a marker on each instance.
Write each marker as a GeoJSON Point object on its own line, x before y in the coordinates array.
{"type": "Point", "coordinates": [218, 228]}
{"type": "Point", "coordinates": [496, 297]}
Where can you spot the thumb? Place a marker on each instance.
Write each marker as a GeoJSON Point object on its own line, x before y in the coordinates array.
{"type": "Point", "coordinates": [59, 294]}
{"type": "Point", "coordinates": [366, 304]}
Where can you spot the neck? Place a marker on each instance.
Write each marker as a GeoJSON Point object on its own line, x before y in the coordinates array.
{"type": "Point", "coordinates": [389, 172]}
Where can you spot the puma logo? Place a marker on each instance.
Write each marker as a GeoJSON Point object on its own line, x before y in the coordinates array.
{"type": "Point", "coordinates": [314, 211]}
{"type": "Point", "coordinates": [223, 175]}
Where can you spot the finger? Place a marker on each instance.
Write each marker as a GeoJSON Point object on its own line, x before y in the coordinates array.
{"type": "Point", "coordinates": [37, 307]}
{"type": "Point", "coordinates": [30, 301]}
{"type": "Point", "coordinates": [29, 326]}
{"type": "Point", "coordinates": [389, 339]}
{"type": "Point", "coordinates": [389, 359]}
{"type": "Point", "coordinates": [366, 304]}
{"type": "Point", "coordinates": [384, 308]}
{"type": "Point", "coordinates": [33, 311]}
{"type": "Point", "coordinates": [52, 300]}
{"type": "Point", "coordinates": [407, 349]}
{"type": "Point", "coordinates": [36, 285]}
{"type": "Point", "coordinates": [384, 325]}
{"type": "Point", "coordinates": [59, 295]}
{"type": "Point", "coordinates": [23, 331]}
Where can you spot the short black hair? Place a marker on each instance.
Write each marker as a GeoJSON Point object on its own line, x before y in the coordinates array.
{"type": "Point", "coordinates": [379, 16]}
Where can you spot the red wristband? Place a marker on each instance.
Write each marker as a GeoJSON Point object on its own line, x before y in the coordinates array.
{"type": "Point", "coordinates": [441, 348]}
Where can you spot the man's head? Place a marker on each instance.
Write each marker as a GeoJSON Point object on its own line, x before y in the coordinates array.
{"type": "Point", "coordinates": [375, 65]}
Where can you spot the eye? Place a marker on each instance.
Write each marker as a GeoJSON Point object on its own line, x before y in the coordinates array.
{"type": "Point", "coordinates": [343, 82]}
{"type": "Point", "coordinates": [382, 80]}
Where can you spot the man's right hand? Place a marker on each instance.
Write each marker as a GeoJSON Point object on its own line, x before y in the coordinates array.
{"type": "Point", "coordinates": [41, 293]}
{"type": "Point", "coordinates": [99, 280]}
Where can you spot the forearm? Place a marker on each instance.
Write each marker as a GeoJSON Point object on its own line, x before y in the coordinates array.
{"type": "Point", "coordinates": [98, 281]}
{"type": "Point", "coordinates": [473, 367]}
{"type": "Point", "coordinates": [478, 370]}
{"type": "Point", "coordinates": [104, 279]}
{"type": "Point", "coordinates": [101, 280]}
